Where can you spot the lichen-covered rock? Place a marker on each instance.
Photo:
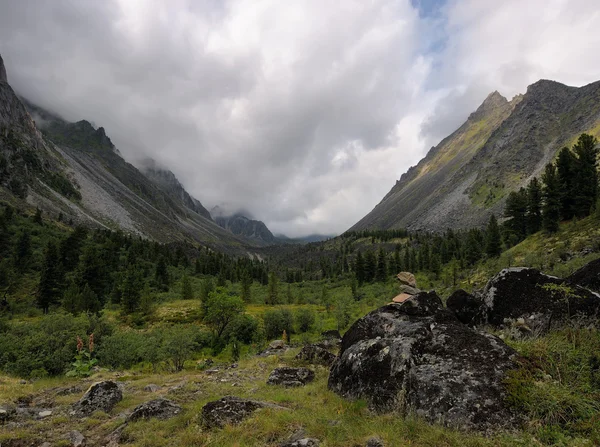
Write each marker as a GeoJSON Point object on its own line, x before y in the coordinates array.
{"type": "Point", "coordinates": [157, 408]}
{"type": "Point", "coordinates": [304, 442]}
{"type": "Point", "coordinates": [316, 354]}
{"type": "Point", "coordinates": [76, 438]}
{"type": "Point", "coordinates": [100, 396]}
{"type": "Point", "coordinates": [289, 377]}
{"type": "Point", "coordinates": [467, 308]}
{"type": "Point", "coordinates": [522, 292]}
{"type": "Point", "coordinates": [231, 410]}
{"type": "Point", "coordinates": [417, 357]}
{"type": "Point", "coordinates": [374, 441]}
{"type": "Point", "coordinates": [407, 278]}
{"type": "Point", "coordinates": [587, 276]}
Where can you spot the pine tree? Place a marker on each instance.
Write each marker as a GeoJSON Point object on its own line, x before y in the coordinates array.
{"type": "Point", "coordinates": [493, 240]}
{"type": "Point", "coordinates": [586, 178]}
{"type": "Point", "coordinates": [272, 289]}
{"type": "Point", "coordinates": [50, 279]}
{"type": "Point", "coordinates": [473, 247]}
{"type": "Point", "coordinates": [23, 251]}
{"type": "Point", "coordinates": [161, 274]}
{"type": "Point", "coordinates": [359, 269]}
{"type": "Point", "coordinates": [246, 283]}
{"type": "Point", "coordinates": [382, 271]}
{"type": "Point", "coordinates": [187, 292]}
{"type": "Point", "coordinates": [516, 212]}
{"type": "Point", "coordinates": [534, 206]}
{"type": "Point", "coordinates": [565, 169]}
{"type": "Point", "coordinates": [370, 265]}
{"type": "Point", "coordinates": [131, 290]}
{"type": "Point", "coordinates": [551, 193]}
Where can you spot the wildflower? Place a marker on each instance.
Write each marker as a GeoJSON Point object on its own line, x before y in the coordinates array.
{"type": "Point", "coordinates": [91, 342]}
{"type": "Point", "coordinates": [79, 344]}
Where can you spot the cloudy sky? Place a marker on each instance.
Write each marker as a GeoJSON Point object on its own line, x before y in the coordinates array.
{"type": "Point", "coordinates": [303, 112]}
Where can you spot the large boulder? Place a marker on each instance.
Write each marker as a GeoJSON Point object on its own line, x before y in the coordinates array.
{"type": "Point", "coordinates": [157, 408]}
{"type": "Point", "coordinates": [316, 354]}
{"type": "Point", "coordinates": [467, 308]}
{"type": "Point", "coordinates": [101, 396]}
{"type": "Point", "coordinates": [416, 357]}
{"type": "Point", "coordinates": [231, 410]}
{"type": "Point", "coordinates": [587, 276]}
{"type": "Point", "coordinates": [288, 376]}
{"type": "Point", "coordinates": [529, 295]}
{"type": "Point", "coordinates": [407, 278]}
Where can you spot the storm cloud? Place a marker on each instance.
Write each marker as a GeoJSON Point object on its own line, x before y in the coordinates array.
{"type": "Point", "coordinates": [304, 113]}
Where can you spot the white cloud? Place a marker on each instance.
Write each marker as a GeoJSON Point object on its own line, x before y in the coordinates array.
{"type": "Point", "coordinates": [304, 113]}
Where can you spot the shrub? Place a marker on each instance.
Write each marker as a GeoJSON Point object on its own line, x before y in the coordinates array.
{"type": "Point", "coordinates": [243, 329]}
{"type": "Point", "coordinates": [276, 321]}
{"type": "Point", "coordinates": [305, 320]}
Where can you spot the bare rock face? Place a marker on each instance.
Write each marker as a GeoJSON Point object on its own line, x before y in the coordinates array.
{"type": "Point", "coordinates": [467, 308]}
{"type": "Point", "coordinates": [231, 410]}
{"type": "Point", "coordinates": [517, 293]}
{"type": "Point", "coordinates": [316, 355]}
{"type": "Point", "coordinates": [157, 408]}
{"type": "Point", "coordinates": [290, 377]}
{"type": "Point", "coordinates": [101, 396]}
{"type": "Point", "coordinates": [3, 77]}
{"type": "Point", "coordinates": [417, 357]}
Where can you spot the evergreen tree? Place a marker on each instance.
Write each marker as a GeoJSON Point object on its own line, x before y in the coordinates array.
{"type": "Point", "coordinates": [493, 241]}
{"type": "Point", "coordinates": [90, 301]}
{"type": "Point", "coordinates": [23, 251]}
{"type": "Point", "coordinates": [516, 212]}
{"type": "Point", "coordinates": [370, 265]}
{"type": "Point", "coordinates": [565, 169]}
{"type": "Point", "coordinates": [272, 292]}
{"type": "Point", "coordinates": [187, 292]}
{"type": "Point", "coordinates": [72, 298]}
{"type": "Point", "coordinates": [50, 279]}
{"type": "Point", "coordinates": [246, 283]}
{"type": "Point", "coordinates": [551, 194]}
{"type": "Point", "coordinates": [161, 274]}
{"type": "Point", "coordinates": [131, 290]}
{"type": "Point", "coordinates": [473, 248]}
{"type": "Point", "coordinates": [359, 269]}
{"type": "Point", "coordinates": [534, 206]}
{"type": "Point", "coordinates": [382, 271]}
{"type": "Point", "coordinates": [37, 218]}
{"type": "Point", "coordinates": [586, 178]}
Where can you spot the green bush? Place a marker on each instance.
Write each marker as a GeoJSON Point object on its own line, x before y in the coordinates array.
{"type": "Point", "coordinates": [47, 347]}
{"type": "Point", "coordinates": [276, 321]}
{"type": "Point", "coordinates": [243, 329]}
{"type": "Point", "coordinates": [305, 320]}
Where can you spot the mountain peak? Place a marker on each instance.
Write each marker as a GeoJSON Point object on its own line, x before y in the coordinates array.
{"type": "Point", "coordinates": [492, 102]}
{"type": "Point", "coordinates": [3, 77]}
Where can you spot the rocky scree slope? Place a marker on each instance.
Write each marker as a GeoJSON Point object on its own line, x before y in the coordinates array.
{"type": "Point", "coordinates": [74, 169]}
{"type": "Point", "coordinates": [498, 149]}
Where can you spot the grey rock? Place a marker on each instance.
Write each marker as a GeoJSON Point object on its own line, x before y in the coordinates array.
{"type": "Point", "coordinates": [100, 396]}
{"type": "Point", "coordinates": [409, 290]}
{"type": "Point", "coordinates": [157, 408]}
{"type": "Point", "coordinates": [304, 442]}
{"type": "Point", "coordinates": [374, 441]}
{"type": "Point", "coordinates": [231, 410]}
{"type": "Point", "coordinates": [467, 308]}
{"type": "Point", "coordinates": [276, 344]}
{"type": "Point", "coordinates": [587, 276]}
{"type": "Point", "coordinates": [316, 354]}
{"type": "Point", "coordinates": [290, 377]}
{"type": "Point", "coordinates": [417, 357]}
{"type": "Point", "coordinates": [523, 292]}
{"type": "Point", "coordinates": [151, 388]}
{"type": "Point", "coordinates": [76, 438]}
{"type": "Point", "coordinates": [44, 414]}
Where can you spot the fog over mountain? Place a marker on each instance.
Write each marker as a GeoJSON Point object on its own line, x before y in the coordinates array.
{"type": "Point", "coordinates": [302, 113]}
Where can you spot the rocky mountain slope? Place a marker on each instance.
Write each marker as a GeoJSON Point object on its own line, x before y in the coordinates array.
{"type": "Point", "coordinates": [241, 225]}
{"type": "Point", "coordinates": [74, 169]}
{"type": "Point", "coordinates": [500, 147]}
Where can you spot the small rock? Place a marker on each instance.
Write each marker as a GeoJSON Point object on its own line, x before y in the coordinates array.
{"type": "Point", "coordinates": [46, 444]}
{"type": "Point", "coordinates": [151, 388]}
{"type": "Point", "coordinates": [288, 376]}
{"type": "Point", "coordinates": [408, 289]}
{"type": "Point", "coordinates": [76, 438]}
{"type": "Point", "coordinates": [23, 382]}
{"type": "Point", "coordinates": [44, 414]}
{"type": "Point", "coordinates": [230, 410]}
{"type": "Point", "coordinates": [100, 396]}
{"type": "Point", "coordinates": [304, 442]}
{"type": "Point", "coordinates": [407, 278]}
{"type": "Point", "coordinates": [276, 344]}
{"type": "Point", "coordinates": [374, 441]}
{"type": "Point", "coordinates": [316, 354]}
{"type": "Point", "coordinates": [335, 334]}
{"type": "Point", "coordinates": [157, 408]}
{"type": "Point", "coordinates": [5, 415]}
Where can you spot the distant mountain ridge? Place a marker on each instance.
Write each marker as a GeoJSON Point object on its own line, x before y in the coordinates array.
{"type": "Point", "coordinates": [501, 146]}
{"type": "Point", "coordinates": [74, 169]}
{"type": "Point", "coordinates": [241, 225]}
